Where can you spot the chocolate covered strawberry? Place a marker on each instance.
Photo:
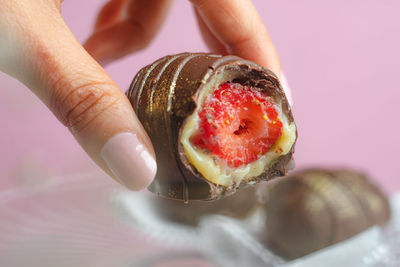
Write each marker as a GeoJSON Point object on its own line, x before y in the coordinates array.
{"type": "Point", "coordinates": [216, 122]}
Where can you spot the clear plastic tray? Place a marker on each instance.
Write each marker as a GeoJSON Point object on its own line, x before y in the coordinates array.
{"type": "Point", "coordinates": [88, 220]}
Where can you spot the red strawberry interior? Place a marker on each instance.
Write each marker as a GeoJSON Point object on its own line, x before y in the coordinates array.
{"type": "Point", "coordinates": [238, 124]}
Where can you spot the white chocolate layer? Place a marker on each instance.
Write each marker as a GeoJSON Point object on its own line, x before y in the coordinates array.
{"type": "Point", "coordinates": [217, 171]}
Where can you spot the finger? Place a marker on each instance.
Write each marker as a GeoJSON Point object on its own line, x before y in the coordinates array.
{"type": "Point", "coordinates": [213, 44]}
{"type": "Point", "coordinates": [142, 21]}
{"type": "Point", "coordinates": [237, 25]}
{"type": "Point", "coordinates": [109, 14]}
{"type": "Point", "coordinates": [80, 93]}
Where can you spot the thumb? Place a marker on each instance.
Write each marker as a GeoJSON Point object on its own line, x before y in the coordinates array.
{"type": "Point", "coordinates": [44, 54]}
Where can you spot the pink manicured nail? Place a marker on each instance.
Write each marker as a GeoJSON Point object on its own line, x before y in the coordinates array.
{"type": "Point", "coordinates": [286, 88]}
{"type": "Point", "coordinates": [129, 160]}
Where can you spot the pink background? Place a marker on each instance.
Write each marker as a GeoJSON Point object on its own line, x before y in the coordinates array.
{"type": "Point", "coordinates": [341, 59]}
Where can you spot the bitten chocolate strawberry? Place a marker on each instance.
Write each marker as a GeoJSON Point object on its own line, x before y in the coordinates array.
{"type": "Point", "coordinates": [217, 123]}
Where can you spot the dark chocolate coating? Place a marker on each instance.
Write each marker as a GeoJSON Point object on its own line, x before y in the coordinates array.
{"type": "Point", "coordinates": [239, 205]}
{"type": "Point", "coordinates": [165, 93]}
{"type": "Point", "coordinates": [315, 208]}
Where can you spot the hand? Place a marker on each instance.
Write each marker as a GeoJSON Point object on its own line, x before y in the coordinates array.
{"type": "Point", "coordinates": [227, 26]}
{"type": "Point", "coordinates": [37, 48]}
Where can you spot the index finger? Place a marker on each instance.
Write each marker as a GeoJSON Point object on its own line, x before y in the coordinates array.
{"type": "Point", "coordinates": [237, 25]}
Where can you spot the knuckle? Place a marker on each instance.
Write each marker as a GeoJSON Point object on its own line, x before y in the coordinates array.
{"type": "Point", "coordinates": [79, 106]}
{"type": "Point", "coordinates": [244, 33]}
{"type": "Point", "coordinates": [143, 34]}
{"type": "Point", "coordinates": [240, 39]}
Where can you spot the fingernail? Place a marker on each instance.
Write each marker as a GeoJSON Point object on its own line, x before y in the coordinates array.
{"type": "Point", "coordinates": [286, 89]}
{"type": "Point", "coordinates": [129, 160]}
{"type": "Point", "coordinates": [292, 164]}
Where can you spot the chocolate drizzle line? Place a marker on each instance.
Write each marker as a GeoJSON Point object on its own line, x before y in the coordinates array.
{"type": "Point", "coordinates": [156, 80]}
{"type": "Point", "coordinates": [138, 75]}
{"type": "Point", "coordinates": [173, 147]}
{"type": "Point", "coordinates": [149, 70]}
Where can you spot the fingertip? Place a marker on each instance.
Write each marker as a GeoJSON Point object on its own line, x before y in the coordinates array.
{"type": "Point", "coordinates": [237, 25]}
{"type": "Point", "coordinates": [129, 160]}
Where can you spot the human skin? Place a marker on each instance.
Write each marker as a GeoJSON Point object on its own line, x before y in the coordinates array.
{"type": "Point", "coordinates": [38, 49]}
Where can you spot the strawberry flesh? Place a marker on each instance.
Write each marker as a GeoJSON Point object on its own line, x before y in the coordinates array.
{"type": "Point", "coordinates": [238, 124]}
